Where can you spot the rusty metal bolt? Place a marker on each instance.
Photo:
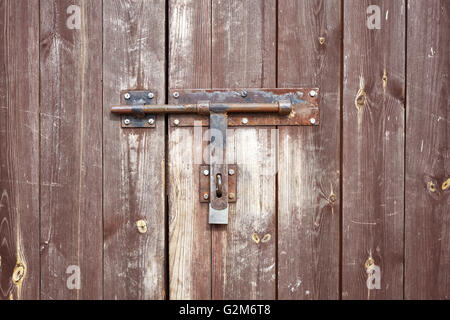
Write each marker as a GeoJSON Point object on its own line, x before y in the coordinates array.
{"type": "Point", "coordinates": [151, 121]}
{"type": "Point", "coordinates": [231, 172]}
{"type": "Point", "coordinates": [176, 122]}
{"type": "Point", "coordinates": [127, 96]}
{"type": "Point", "coordinates": [231, 195]}
{"type": "Point", "coordinates": [312, 120]}
{"type": "Point", "coordinates": [313, 93]}
{"type": "Point", "coordinates": [205, 196]}
{"type": "Point", "coordinates": [206, 172]}
{"type": "Point", "coordinates": [176, 95]}
{"type": "Point", "coordinates": [244, 121]}
{"type": "Point", "coordinates": [126, 121]}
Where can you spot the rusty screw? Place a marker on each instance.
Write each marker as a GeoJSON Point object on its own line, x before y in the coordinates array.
{"type": "Point", "coordinates": [176, 95]}
{"type": "Point", "coordinates": [151, 121]}
{"type": "Point", "coordinates": [312, 93]}
{"type": "Point", "coordinates": [176, 122]}
{"type": "Point", "coordinates": [231, 196]}
{"type": "Point", "coordinates": [127, 96]}
{"type": "Point", "coordinates": [126, 121]}
{"type": "Point", "coordinates": [231, 172]}
{"type": "Point", "coordinates": [312, 120]}
{"type": "Point", "coordinates": [205, 196]}
{"type": "Point", "coordinates": [244, 121]}
{"type": "Point", "coordinates": [206, 172]}
{"type": "Point", "coordinates": [150, 95]}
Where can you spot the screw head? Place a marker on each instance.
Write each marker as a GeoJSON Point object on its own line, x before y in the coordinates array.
{"type": "Point", "coordinates": [176, 122]}
{"type": "Point", "coordinates": [231, 172]}
{"type": "Point", "coordinates": [313, 93]}
{"type": "Point", "coordinates": [244, 121]}
{"type": "Point", "coordinates": [231, 195]}
{"type": "Point", "coordinates": [151, 121]}
{"type": "Point", "coordinates": [151, 95]}
{"type": "Point", "coordinates": [244, 94]}
{"type": "Point", "coordinates": [205, 196]}
{"type": "Point", "coordinates": [206, 172]}
{"type": "Point", "coordinates": [312, 120]}
{"type": "Point", "coordinates": [127, 96]}
{"type": "Point", "coordinates": [126, 121]}
{"type": "Point", "coordinates": [176, 95]}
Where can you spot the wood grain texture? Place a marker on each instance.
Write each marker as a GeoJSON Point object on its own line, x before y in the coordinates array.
{"type": "Point", "coordinates": [19, 150]}
{"type": "Point", "coordinates": [189, 231]}
{"type": "Point", "coordinates": [427, 184]}
{"type": "Point", "coordinates": [134, 161]}
{"type": "Point", "coordinates": [309, 40]}
{"type": "Point", "coordinates": [243, 56]}
{"type": "Point", "coordinates": [71, 146]}
{"type": "Point", "coordinates": [373, 150]}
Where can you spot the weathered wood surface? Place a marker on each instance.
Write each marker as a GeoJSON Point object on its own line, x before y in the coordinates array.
{"type": "Point", "coordinates": [71, 144]}
{"type": "Point", "coordinates": [134, 161]}
{"type": "Point", "coordinates": [19, 150]}
{"type": "Point", "coordinates": [189, 231]}
{"type": "Point", "coordinates": [244, 56]}
{"type": "Point", "coordinates": [427, 183]}
{"type": "Point", "coordinates": [373, 151]}
{"type": "Point", "coordinates": [309, 41]}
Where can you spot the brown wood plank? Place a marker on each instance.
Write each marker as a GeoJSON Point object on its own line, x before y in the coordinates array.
{"type": "Point", "coordinates": [309, 41]}
{"type": "Point", "coordinates": [243, 55]}
{"type": "Point", "coordinates": [427, 260]}
{"type": "Point", "coordinates": [71, 146]}
{"type": "Point", "coordinates": [373, 151]}
{"type": "Point", "coordinates": [189, 231]}
{"type": "Point", "coordinates": [134, 161]}
{"type": "Point", "coordinates": [19, 150]}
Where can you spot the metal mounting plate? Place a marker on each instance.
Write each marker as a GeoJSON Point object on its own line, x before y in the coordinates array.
{"type": "Point", "coordinates": [305, 113]}
{"type": "Point", "coordinates": [138, 98]}
{"type": "Point", "coordinates": [205, 183]}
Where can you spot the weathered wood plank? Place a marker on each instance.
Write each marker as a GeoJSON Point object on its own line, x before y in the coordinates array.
{"type": "Point", "coordinates": [134, 161]}
{"type": "Point", "coordinates": [373, 151]}
{"type": "Point", "coordinates": [71, 146]}
{"type": "Point", "coordinates": [309, 41]}
{"type": "Point", "coordinates": [189, 231]}
{"type": "Point", "coordinates": [427, 260]}
{"type": "Point", "coordinates": [244, 255]}
{"type": "Point", "coordinates": [19, 150]}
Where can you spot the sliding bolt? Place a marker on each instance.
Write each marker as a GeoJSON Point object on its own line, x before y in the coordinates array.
{"type": "Point", "coordinates": [150, 95]}
{"type": "Point", "coordinates": [176, 95]}
{"type": "Point", "coordinates": [127, 96]}
{"type": "Point", "coordinates": [126, 121]}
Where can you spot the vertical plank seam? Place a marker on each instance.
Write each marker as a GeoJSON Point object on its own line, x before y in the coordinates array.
{"type": "Point", "coordinates": [211, 268]}
{"type": "Point", "coordinates": [166, 156]}
{"type": "Point", "coordinates": [404, 145]}
{"type": "Point", "coordinates": [103, 159]}
{"type": "Point", "coordinates": [341, 156]}
{"type": "Point", "coordinates": [39, 148]}
{"type": "Point", "coordinates": [277, 156]}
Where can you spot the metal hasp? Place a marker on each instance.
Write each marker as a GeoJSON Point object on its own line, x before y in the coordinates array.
{"type": "Point", "coordinates": [225, 108]}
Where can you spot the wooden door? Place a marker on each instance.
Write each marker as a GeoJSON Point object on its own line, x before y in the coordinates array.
{"type": "Point", "coordinates": [356, 207]}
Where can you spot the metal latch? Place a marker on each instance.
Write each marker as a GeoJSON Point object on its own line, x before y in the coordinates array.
{"type": "Point", "coordinates": [251, 107]}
